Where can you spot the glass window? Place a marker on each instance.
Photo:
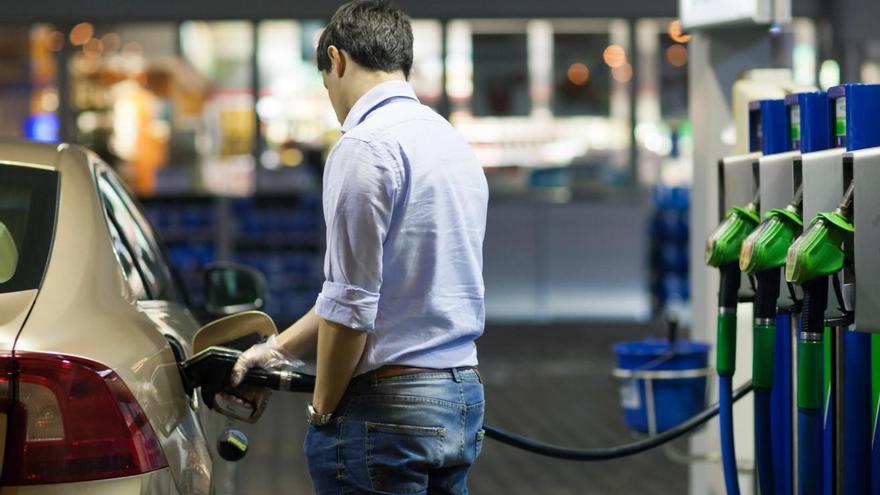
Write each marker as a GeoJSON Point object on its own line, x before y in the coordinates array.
{"type": "Point", "coordinates": [501, 75]}
{"type": "Point", "coordinates": [126, 261]}
{"type": "Point", "coordinates": [221, 52]}
{"type": "Point", "coordinates": [297, 122]}
{"type": "Point", "coordinates": [28, 198]}
{"type": "Point", "coordinates": [673, 78]}
{"type": "Point", "coordinates": [426, 76]}
{"type": "Point", "coordinates": [134, 232]}
{"type": "Point", "coordinates": [581, 78]}
{"type": "Point", "coordinates": [129, 97]}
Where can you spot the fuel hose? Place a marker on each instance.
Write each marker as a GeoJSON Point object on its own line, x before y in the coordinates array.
{"type": "Point", "coordinates": [609, 453]}
{"type": "Point", "coordinates": [301, 382]}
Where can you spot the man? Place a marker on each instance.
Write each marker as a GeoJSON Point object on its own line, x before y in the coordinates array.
{"type": "Point", "coordinates": [398, 401]}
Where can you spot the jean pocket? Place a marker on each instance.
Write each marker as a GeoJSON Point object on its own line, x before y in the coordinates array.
{"type": "Point", "coordinates": [481, 434]}
{"type": "Point", "coordinates": [398, 456]}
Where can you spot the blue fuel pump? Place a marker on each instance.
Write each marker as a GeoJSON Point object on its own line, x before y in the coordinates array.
{"type": "Point", "coordinates": [834, 366]}
{"type": "Point", "coordinates": [768, 131]}
{"type": "Point", "coordinates": [855, 108]}
{"type": "Point", "coordinates": [771, 374]}
{"type": "Point", "coordinates": [810, 120]}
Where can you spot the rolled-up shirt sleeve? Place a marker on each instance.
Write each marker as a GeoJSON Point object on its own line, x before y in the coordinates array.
{"type": "Point", "coordinates": [359, 190]}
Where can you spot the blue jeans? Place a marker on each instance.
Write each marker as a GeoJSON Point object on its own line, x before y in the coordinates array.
{"type": "Point", "coordinates": [408, 434]}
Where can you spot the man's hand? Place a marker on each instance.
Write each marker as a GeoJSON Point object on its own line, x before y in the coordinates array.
{"type": "Point", "coordinates": [269, 356]}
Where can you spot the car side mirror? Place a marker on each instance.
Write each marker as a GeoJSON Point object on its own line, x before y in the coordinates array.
{"type": "Point", "coordinates": [232, 288]}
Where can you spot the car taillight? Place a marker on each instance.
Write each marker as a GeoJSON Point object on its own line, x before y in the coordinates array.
{"type": "Point", "coordinates": [5, 383]}
{"type": "Point", "coordinates": [73, 420]}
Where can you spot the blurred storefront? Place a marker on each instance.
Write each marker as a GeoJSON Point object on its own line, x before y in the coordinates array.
{"type": "Point", "coordinates": [222, 127]}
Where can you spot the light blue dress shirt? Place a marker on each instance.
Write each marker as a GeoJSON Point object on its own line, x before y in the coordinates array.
{"type": "Point", "coordinates": [405, 207]}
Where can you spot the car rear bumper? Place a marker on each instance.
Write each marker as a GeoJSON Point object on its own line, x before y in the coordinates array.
{"type": "Point", "coordinates": [154, 483]}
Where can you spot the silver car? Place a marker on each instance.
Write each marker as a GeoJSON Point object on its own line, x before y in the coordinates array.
{"type": "Point", "coordinates": [93, 328]}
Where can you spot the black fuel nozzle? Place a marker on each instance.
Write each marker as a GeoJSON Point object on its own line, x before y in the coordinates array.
{"type": "Point", "coordinates": [211, 370]}
{"type": "Point", "coordinates": [728, 292]}
{"type": "Point", "coordinates": [813, 306]}
{"type": "Point", "coordinates": [767, 292]}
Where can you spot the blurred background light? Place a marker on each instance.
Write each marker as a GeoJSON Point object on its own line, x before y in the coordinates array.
{"type": "Point", "coordinates": [81, 33]}
{"type": "Point", "coordinates": [578, 74]}
{"type": "Point", "coordinates": [614, 56]}
{"type": "Point", "coordinates": [674, 31]}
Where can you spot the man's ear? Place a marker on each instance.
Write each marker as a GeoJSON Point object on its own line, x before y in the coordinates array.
{"type": "Point", "coordinates": [337, 60]}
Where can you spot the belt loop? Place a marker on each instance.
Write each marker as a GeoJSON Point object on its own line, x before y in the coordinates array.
{"type": "Point", "coordinates": [456, 375]}
{"type": "Point", "coordinates": [374, 378]}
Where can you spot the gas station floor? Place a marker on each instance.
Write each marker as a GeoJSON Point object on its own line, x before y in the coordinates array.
{"type": "Point", "coordinates": [550, 382]}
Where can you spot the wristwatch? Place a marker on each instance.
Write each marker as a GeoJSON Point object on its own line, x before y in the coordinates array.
{"type": "Point", "coordinates": [317, 419]}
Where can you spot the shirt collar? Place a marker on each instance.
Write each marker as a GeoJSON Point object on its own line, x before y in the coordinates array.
{"type": "Point", "coordinates": [375, 96]}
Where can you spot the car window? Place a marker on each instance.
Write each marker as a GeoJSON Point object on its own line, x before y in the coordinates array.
{"type": "Point", "coordinates": [8, 254]}
{"type": "Point", "coordinates": [28, 203]}
{"type": "Point", "coordinates": [126, 261]}
{"type": "Point", "coordinates": [138, 237]}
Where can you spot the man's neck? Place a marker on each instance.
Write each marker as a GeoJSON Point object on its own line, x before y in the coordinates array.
{"type": "Point", "coordinates": [368, 80]}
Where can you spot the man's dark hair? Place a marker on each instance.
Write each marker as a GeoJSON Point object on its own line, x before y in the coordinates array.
{"type": "Point", "coordinates": [375, 33]}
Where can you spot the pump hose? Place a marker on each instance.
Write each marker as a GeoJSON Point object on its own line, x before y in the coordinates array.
{"type": "Point", "coordinates": [301, 382]}
{"type": "Point", "coordinates": [766, 296]}
{"type": "Point", "coordinates": [728, 453]}
{"type": "Point", "coordinates": [764, 441]}
{"type": "Point", "coordinates": [608, 453]}
{"type": "Point", "coordinates": [810, 386]}
{"type": "Point", "coordinates": [726, 366]}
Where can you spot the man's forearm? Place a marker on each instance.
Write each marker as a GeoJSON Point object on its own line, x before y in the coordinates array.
{"type": "Point", "coordinates": [300, 339]}
{"type": "Point", "coordinates": [339, 351]}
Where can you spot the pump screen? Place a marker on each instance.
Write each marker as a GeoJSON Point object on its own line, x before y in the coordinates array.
{"type": "Point", "coordinates": [795, 119]}
{"type": "Point", "coordinates": [840, 122]}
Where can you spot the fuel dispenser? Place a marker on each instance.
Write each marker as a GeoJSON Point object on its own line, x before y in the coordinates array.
{"type": "Point", "coordinates": [762, 257]}
{"type": "Point", "coordinates": [860, 106]}
{"type": "Point", "coordinates": [821, 261]}
{"type": "Point", "coordinates": [771, 375]}
{"type": "Point", "coordinates": [739, 179]}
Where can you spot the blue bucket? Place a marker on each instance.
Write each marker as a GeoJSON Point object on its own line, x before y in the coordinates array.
{"type": "Point", "coordinates": [677, 377]}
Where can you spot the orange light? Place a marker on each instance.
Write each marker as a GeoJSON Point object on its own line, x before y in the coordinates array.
{"type": "Point", "coordinates": [578, 74]}
{"type": "Point", "coordinates": [93, 48]}
{"type": "Point", "coordinates": [56, 41]}
{"type": "Point", "coordinates": [614, 56]}
{"type": "Point", "coordinates": [677, 55]}
{"type": "Point", "coordinates": [622, 74]}
{"type": "Point", "coordinates": [675, 32]}
{"type": "Point", "coordinates": [111, 42]}
{"type": "Point", "coordinates": [81, 33]}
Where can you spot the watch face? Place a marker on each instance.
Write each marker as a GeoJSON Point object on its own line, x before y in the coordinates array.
{"type": "Point", "coordinates": [317, 419]}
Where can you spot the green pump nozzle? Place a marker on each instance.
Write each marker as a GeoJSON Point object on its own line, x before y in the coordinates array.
{"type": "Point", "coordinates": [724, 244]}
{"type": "Point", "coordinates": [767, 245]}
{"type": "Point", "coordinates": [818, 251]}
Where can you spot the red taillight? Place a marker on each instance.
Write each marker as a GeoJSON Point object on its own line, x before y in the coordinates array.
{"type": "Point", "coordinates": [74, 420]}
{"type": "Point", "coordinates": [5, 383]}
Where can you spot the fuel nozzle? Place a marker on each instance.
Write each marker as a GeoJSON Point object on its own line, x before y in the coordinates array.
{"type": "Point", "coordinates": [767, 245]}
{"type": "Point", "coordinates": [724, 244]}
{"type": "Point", "coordinates": [819, 251]}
